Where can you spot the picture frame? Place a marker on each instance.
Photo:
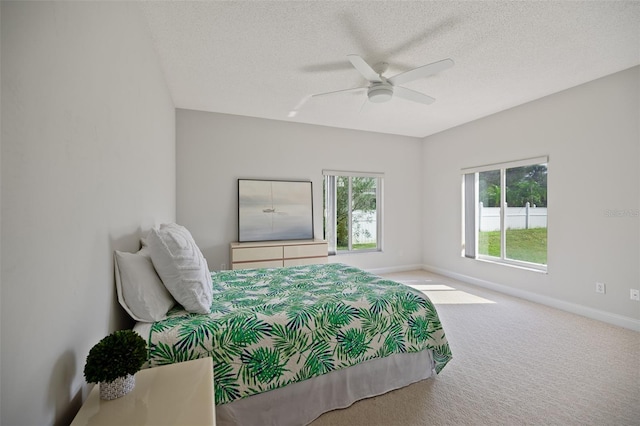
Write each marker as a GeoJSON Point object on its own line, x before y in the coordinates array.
{"type": "Point", "coordinates": [274, 210]}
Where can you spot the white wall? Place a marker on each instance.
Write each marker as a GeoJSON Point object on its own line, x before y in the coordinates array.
{"type": "Point", "coordinates": [591, 134]}
{"type": "Point", "coordinates": [214, 150]}
{"type": "Point", "coordinates": [1, 317]}
{"type": "Point", "coordinates": [88, 160]}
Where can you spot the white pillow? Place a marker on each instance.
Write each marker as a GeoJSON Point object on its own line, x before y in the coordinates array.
{"type": "Point", "coordinates": [181, 266]}
{"type": "Point", "coordinates": [140, 290]}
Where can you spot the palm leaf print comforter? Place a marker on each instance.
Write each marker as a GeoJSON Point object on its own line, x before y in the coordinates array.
{"type": "Point", "coordinates": [272, 327]}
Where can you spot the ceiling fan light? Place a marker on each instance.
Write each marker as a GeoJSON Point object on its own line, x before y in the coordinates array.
{"type": "Point", "coordinates": [379, 94]}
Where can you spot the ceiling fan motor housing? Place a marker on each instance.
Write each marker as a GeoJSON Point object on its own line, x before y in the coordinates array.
{"type": "Point", "coordinates": [380, 92]}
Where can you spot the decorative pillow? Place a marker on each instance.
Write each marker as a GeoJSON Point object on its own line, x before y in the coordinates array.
{"type": "Point", "coordinates": [140, 290]}
{"type": "Point", "coordinates": [181, 266]}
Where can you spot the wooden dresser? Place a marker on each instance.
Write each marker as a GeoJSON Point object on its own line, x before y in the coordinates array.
{"type": "Point", "coordinates": [276, 254]}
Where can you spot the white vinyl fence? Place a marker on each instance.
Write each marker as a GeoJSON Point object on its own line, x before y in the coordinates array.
{"type": "Point", "coordinates": [364, 226]}
{"type": "Point", "coordinates": [516, 217]}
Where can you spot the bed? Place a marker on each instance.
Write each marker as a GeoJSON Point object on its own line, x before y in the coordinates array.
{"type": "Point", "coordinates": [289, 344]}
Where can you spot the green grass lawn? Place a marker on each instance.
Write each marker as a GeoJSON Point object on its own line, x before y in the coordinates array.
{"type": "Point", "coordinates": [363, 246]}
{"type": "Point", "coordinates": [529, 245]}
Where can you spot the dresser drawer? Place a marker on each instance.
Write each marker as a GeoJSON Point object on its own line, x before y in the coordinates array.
{"type": "Point", "coordinates": [306, 250]}
{"type": "Point", "coordinates": [252, 254]}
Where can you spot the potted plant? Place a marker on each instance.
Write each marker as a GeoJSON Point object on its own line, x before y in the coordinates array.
{"type": "Point", "coordinates": [113, 361]}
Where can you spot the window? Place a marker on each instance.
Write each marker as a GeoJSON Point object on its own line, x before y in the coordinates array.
{"type": "Point", "coordinates": [505, 213]}
{"type": "Point", "coordinates": [352, 211]}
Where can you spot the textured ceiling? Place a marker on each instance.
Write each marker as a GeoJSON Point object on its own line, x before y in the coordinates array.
{"type": "Point", "coordinates": [263, 59]}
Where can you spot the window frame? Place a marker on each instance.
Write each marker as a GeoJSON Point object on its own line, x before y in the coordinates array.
{"type": "Point", "coordinates": [330, 209]}
{"type": "Point", "coordinates": [470, 176]}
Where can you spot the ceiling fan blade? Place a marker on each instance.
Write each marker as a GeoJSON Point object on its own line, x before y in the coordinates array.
{"type": "Point", "coordinates": [412, 95]}
{"type": "Point", "coordinates": [364, 68]}
{"type": "Point", "coordinates": [353, 89]}
{"type": "Point", "coordinates": [421, 72]}
{"type": "Point", "coordinates": [298, 107]}
{"type": "Point", "coordinates": [326, 67]}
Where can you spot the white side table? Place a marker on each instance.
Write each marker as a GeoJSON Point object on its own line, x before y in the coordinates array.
{"type": "Point", "coordinates": [176, 394]}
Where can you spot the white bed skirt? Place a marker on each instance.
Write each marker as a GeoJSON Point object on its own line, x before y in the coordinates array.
{"type": "Point", "coordinates": [300, 403]}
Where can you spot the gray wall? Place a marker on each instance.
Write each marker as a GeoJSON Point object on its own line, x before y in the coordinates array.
{"type": "Point", "coordinates": [88, 161]}
{"type": "Point", "coordinates": [591, 134]}
{"type": "Point", "coordinates": [214, 150]}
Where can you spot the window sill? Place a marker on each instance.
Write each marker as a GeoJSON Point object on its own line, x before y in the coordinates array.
{"type": "Point", "coordinates": [542, 269]}
{"type": "Point", "coordinates": [349, 252]}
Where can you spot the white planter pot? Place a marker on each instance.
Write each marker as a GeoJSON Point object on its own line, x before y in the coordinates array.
{"type": "Point", "coordinates": [119, 387]}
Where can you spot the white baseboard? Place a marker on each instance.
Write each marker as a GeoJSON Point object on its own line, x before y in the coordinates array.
{"type": "Point", "coordinates": [608, 317]}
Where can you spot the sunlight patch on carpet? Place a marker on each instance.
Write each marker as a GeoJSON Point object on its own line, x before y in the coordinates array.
{"type": "Point", "coordinates": [441, 294]}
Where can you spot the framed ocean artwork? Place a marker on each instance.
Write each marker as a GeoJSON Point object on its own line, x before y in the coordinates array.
{"type": "Point", "coordinates": [271, 210]}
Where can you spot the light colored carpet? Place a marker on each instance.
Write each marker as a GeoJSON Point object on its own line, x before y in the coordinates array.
{"type": "Point", "coordinates": [514, 363]}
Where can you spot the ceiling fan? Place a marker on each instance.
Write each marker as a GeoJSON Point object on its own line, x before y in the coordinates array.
{"type": "Point", "coordinates": [382, 89]}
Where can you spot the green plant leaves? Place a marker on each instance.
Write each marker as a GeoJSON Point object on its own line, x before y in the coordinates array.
{"type": "Point", "coordinates": [289, 341]}
{"type": "Point", "coordinates": [319, 361]}
{"type": "Point", "coordinates": [245, 331]}
{"type": "Point", "coordinates": [262, 365]}
{"type": "Point", "coordinates": [121, 353]}
{"type": "Point", "coordinates": [226, 387]}
{"type": "Point", "coordinates": [352, 344]}
{"type": "Point", "coordinates": [419, 329]}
